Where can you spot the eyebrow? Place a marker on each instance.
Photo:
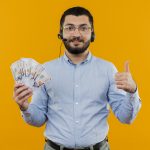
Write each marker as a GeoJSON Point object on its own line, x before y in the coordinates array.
{"type": "Point", "coordinates": [73, 24]}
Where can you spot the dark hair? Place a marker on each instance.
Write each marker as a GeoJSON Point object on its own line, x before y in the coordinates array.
{"type": "Point", "coordinates": [76, 11]}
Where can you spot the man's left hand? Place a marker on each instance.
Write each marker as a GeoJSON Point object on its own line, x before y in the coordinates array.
{"type": "Point", "coordinates": [125, 81]}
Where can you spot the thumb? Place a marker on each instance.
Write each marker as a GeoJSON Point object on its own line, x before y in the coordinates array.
{"type": "Point", "coordinates": [126, 65]}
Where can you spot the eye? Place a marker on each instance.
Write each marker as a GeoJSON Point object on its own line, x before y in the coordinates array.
{"type": "Point", "coordinates": [70, 28]}
{"type": "Point", "coordinates": [84, 28]}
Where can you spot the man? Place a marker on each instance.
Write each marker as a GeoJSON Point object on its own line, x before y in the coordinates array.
{"type": "Point", "coordinates": [74, 104]}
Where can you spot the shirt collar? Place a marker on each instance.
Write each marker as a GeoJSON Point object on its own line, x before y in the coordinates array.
{"type": "Point", "coordinates": [88, 58]}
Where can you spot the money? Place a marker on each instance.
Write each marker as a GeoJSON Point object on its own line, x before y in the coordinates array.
{"type": "Point", "coordinates": [29, 72]}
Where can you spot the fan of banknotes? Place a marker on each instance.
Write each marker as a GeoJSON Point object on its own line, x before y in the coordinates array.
{"type": "Point", "coordinates": [29, 72]}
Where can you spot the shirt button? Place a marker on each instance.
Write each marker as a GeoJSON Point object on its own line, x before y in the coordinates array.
{"type": "Point", "coordinates": [76, 85]}
{"type": "Point", "coordinates": [77, 103]}
{"type": "Point", "coordinates": [77, 121]}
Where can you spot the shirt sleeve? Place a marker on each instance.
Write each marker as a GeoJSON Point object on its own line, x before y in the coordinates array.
{"type": "Point", "coordinates": [124, 105]}
{"type": "Point", "coordinates": [36, 113]}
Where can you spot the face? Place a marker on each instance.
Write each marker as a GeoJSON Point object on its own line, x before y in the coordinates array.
{"type": "Point", "coordinates": [77, 30]}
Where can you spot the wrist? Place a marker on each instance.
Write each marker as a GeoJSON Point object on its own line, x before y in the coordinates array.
{"type": "Point", "coordinates": [23, 108]}
{"type": "Point", "coordinates": [134, 90]}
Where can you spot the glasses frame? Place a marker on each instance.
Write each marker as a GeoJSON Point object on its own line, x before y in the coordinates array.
{"type": "Point", "coordinates": [76, 27]}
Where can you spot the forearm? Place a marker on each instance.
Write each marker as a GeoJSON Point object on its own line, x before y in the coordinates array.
{"type": "Point", "coordinates": [128, 108]}
{"type": "Point", "coordinates": [34, 116]}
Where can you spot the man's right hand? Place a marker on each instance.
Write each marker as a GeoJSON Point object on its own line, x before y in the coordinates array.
{"type": "Point", "coordinates": [21, 95]}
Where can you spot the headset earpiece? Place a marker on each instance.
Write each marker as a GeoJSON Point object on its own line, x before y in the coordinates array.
{"type": "Point", "coordinates": [60, 35]}
{"type": "Point", "coordinates": [92, 36]}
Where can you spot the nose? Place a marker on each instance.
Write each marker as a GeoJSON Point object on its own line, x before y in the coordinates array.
{"type": "Point", "coordinates": [76, 33]}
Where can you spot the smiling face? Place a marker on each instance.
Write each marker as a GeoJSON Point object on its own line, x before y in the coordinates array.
{"type": "Point", "coordinates": [77, 30]}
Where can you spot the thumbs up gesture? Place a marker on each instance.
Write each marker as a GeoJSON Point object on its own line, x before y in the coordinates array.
{"type": "Point", "coordinates": [125, 81]}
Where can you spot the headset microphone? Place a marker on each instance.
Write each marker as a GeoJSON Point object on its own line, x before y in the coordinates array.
{"type": "Point", "coordinates": [64, 39]}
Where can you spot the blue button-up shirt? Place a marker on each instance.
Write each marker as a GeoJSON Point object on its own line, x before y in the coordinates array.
{"type": "Point", "coordinates": [75, 103]}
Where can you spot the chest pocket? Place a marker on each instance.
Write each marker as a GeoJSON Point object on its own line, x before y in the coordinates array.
{"type": "Point", "coordinates": [96, 88]}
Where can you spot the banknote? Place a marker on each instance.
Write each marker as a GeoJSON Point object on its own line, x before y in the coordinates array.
{"type": "Point", "coordinates": [29, 72]}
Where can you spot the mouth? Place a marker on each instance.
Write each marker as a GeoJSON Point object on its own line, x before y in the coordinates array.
{"type": "Point", "coordinates": [76, 42]}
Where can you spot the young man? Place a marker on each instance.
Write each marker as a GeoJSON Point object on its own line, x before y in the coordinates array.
{"type": "Point", "coordinates": [74, 104]}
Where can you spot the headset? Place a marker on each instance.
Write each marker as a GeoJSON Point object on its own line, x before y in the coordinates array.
{"type": "Point", "coordinates": [60, 36]}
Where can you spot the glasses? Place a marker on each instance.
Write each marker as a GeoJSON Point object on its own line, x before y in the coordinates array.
{"type": "Point", "coordinates": [82, 29]}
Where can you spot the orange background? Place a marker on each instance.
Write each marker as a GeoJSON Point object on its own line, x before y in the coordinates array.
{"type": "Point", "coordinates": [29, 29]}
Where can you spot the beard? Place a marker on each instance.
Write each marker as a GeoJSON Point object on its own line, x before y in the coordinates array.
{"type": "Point", "coordinates": [76, 50]}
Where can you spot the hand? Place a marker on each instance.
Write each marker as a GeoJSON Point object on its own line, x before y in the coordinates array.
{"type": "Point", "coordinates": [21, 95]}
{"type": "Point", "coordinates": [125, 81]}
